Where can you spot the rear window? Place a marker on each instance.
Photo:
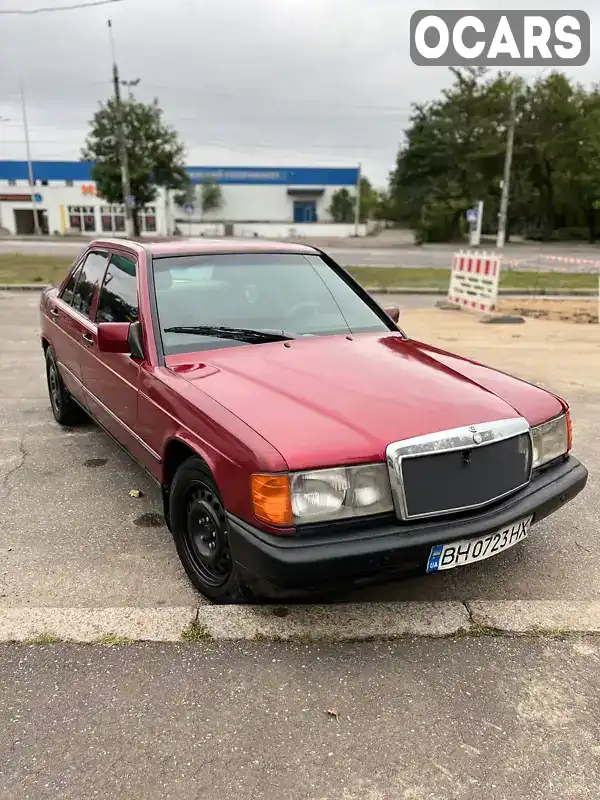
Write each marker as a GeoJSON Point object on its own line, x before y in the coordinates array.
{"type": "Point", "coordinates": [90, 277]}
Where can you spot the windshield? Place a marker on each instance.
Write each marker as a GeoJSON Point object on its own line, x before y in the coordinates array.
{"type": "Point", "coordinates": [290, 293]}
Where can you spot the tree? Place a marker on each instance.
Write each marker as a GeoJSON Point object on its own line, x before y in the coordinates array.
{"type": "Point", "coordinates": [155, 153]}
{"type": "Point", "coordinates": [343, 204]}
{"type": "Point", "coordinates": [454, 149]}
{"type": "Point", "coordinates": [384, 209]}
{"type": "Point", "coordinates": [453, 155]}
{"type": "Point", "coordinates": [187, 197]}
{"type": "Point", "coordinates": [558, 150]}
{"type": "Point", "coordinates": [211, 196]}
{"type": "Point", "coordinates": [369, 199]}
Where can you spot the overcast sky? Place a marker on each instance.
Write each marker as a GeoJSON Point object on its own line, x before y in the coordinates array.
{"type": "Point", "coordinates": [245, 82]}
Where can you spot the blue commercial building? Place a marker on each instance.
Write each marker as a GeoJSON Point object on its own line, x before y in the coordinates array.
{"type": "Point", "coordinates": [65, 199]}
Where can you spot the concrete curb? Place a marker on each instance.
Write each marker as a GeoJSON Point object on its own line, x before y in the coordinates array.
{"type": "Point", "coordinates": [335, 623]}
{"type": "Point", "coordinates": [298, 623]}
{"type": "Point", "coordinates": [536, 616]}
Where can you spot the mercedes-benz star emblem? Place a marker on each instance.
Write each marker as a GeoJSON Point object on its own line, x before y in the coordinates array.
{"type": "Point", "coordinates": [477, 437]}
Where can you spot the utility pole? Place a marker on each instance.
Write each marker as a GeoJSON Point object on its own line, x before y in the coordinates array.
{"type": "Point", "coordinates": [357, 205]}
{"type": "Point", "coordinates": [36, 221]}
{"type": "Point", "coordinates": [502, 217]}
{"type": "Point", "coordinates": [2, 119]}
{"type": "Point", "coordinates": [127, 198]}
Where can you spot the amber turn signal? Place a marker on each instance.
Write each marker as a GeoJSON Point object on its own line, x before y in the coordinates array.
{"type": "Point", "coordinates": [569, 431]}
{"type": "Point", "coordinates": [272, 499]}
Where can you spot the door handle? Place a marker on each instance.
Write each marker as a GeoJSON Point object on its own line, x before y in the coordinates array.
{"type": "Point", "coordinates": [87, 337]}
{"type": "Point", "coordinates": [54, 312]}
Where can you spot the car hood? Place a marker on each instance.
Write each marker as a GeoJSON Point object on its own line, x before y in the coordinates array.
{"type": "Point", "coordinates": [336, 400]}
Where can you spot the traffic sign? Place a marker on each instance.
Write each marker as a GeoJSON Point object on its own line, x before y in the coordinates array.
{"type": "Point", "coordinates": [188, 209]}
{"type": "Point", "coordinates": [130, 201]}
{"type": "Point", "coordinates": [38, 198]}
{"type": "Point", "coordinates": [471, 215]}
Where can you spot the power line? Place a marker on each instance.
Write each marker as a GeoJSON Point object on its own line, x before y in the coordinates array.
{"type": "Point", "coordinates": [244, 94]}
{"type": "Point", "coordinates": [59, 8]}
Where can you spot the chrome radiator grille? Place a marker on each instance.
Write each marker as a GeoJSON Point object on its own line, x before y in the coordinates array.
{"type": "Point", "coordinates": [460, 469]}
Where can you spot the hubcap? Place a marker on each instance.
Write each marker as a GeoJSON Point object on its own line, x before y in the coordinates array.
{"type": "Point", "coordinates": [206, 535]}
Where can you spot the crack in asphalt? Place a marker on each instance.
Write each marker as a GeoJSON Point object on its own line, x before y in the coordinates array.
{"type": "Point", "coordinates": [24, 454]}
{"type": "Point", "coordinates": [469, 612]}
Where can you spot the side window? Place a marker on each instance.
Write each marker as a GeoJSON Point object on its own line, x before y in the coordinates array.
{"type": "Point", "coordinates": [89, 278]}
{"type": "Point", "coordinates": [118, 297]}
{"type": "Point", "coordinates": [69, 290]}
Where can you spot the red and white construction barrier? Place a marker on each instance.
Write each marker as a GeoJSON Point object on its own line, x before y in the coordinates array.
{"type": "Point", "coordinates": [474, 281]}
{"type": "Point", "coordinates": [564, 260]}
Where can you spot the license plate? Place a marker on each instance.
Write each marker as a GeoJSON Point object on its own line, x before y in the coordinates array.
{"type": "Point", "coordinates": [468, 551]}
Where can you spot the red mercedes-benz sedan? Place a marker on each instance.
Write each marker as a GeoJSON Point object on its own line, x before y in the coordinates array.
{"type": "Point", "coordinates": [302, 440]}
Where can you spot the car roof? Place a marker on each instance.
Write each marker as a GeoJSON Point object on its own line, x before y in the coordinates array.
{"type": "Point", "coordinates": [197, 246]}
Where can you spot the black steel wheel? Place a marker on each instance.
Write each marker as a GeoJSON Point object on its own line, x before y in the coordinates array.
{"type": "Point", "coordinates": [64, 409]}
{"type": "Point", "coordinates": [199, 526]}
{"type": "Point", "coordinates": [205, 534]}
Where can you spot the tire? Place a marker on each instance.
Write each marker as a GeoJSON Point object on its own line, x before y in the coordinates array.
{"type": "Point", "coordinates": [64, 408]}
{"type": "Point", "coordinates": [198, 523]}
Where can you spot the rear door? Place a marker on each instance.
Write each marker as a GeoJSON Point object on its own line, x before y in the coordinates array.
{"type": "Point", "coordinates": [112, 379]}
{"type": "Point", "coordinates": [71, 312]}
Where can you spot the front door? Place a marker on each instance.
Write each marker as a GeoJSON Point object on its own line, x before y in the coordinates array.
{"type": "Point", "coordinates": [112, 379]}
{"type": "Point", "coordinates": [305, 211]}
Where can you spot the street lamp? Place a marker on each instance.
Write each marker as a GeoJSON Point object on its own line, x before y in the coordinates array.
{"type": "Point", "coordinates": [129, 85]}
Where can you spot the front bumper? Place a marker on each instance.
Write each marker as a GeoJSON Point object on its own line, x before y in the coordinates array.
{"type": "Point", "coordinates": [384, 551]}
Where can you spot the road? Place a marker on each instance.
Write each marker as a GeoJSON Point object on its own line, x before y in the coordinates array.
{"type": "Point", "coordinates": [501, 719]}
{"type": "Point", "coordinates": [72, 536]}
{"type": "Point", "coordinates": [369, 254]}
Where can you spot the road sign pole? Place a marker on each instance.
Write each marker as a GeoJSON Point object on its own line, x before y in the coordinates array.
{"type": "Point", "coordinates": [357, 203]}
{"type": "Point", "coordinates": [189, 210]}
{"type": "Point", "coordinates": [479, 222]}
{"type": "Point", "coordinates": [475, 220]}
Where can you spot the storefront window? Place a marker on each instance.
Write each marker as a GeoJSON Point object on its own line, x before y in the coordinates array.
{"type": "Point", "coordinates": [148, 219]}
{"type": "Point", "coordinates": [82, 218]}
{"type": "Point", "coordinates": [113, 218]}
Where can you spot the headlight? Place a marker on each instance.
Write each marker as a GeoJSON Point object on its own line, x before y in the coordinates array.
{"type": "Point", "coordinates": [323, 495]}
{"type": "Point", "coordinates": [329, 494]}
{"type": "Point", "coordinates": [551, 440]}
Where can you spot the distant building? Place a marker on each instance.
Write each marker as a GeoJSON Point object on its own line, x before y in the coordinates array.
{"type": "Point", "coordinates": [256, 201]}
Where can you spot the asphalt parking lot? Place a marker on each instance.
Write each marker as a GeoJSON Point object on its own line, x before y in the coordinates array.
{"type": "Point", "coordinates": [70, 534]}
{"type": "Point", "coordinates": [494, 718]}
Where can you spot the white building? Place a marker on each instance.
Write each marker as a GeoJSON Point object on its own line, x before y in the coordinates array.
{"type": "Point", "coordinates": [256, 201]}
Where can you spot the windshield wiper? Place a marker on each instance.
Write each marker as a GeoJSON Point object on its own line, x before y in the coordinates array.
{"type": "Point", "coordinates": [249, 335]}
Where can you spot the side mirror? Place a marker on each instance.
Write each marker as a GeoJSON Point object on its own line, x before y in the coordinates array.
{"type": "Point", "coordinates": [393, 313]}
{"type": "Point", "coordinates": [120, 337]}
